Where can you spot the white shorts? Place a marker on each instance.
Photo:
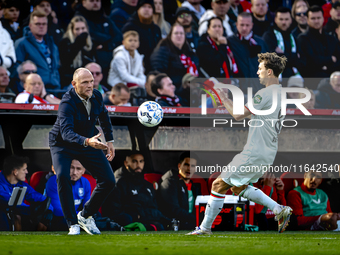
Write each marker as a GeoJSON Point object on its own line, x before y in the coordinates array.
{"type": "Point", "coordinates": [241, 172]}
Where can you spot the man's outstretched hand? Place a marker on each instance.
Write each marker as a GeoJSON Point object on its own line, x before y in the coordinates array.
{"type": "Point", "coordinates": [95, 143]}
{"type": "Point", "coordinates": [110, 151]}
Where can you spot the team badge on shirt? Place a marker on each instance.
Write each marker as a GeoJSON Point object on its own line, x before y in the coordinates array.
{"type": "Point", "coordinates": [257, 99]}
{"type": "Point", "coordinates": [81, 192]}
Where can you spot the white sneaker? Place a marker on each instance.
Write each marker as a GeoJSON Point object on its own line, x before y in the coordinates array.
{"type": "Point", "coordinates": [199, 231]}
{"type": "Point", "coordinates": [283, 218]}
{"type": "Point", "coordinates": [88, 224]}
{"type": "Point", "coordinates": [74, 230]}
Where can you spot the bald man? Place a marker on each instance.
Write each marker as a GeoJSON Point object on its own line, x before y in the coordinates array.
{"type": "Point", "coordinates": [35, 92]}
{"type": "Point", "coordinates": [74, 136]}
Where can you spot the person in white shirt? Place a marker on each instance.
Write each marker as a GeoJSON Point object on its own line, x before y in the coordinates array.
{"type": "Point", "coordinates": [259, 151]}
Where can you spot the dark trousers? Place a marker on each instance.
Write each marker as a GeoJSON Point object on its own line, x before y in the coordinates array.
{"type": "Point", "coordinates": [96, 163]}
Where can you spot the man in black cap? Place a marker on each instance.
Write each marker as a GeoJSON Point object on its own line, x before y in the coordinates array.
{"type": "Point", "coordinates": [185, 17]}
{"type": "Point", "coordinates": [149, 33]}
{"type": "Point", "coordinates": [122, 11]}
{"type": "Point", "coordinates": [334, 20]}
{"type": "Point", "coordinates": [10, 19]}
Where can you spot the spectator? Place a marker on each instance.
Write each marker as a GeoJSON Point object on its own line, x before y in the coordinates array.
{"type": "Point", "coordinates": [97, 74]}
{"type": "Point", "coordinates": [331, 186]}
{"type": "Point", "coordinates": [120, 95]}
{"type": "Point", "coordinates": [327, 9]}
{"type": "Point", "coordinates": [245, 47]}
{"type": "Point", "coordinates": [164, 89]}
{"type": "Point", "coordinates": [220, 9]}
{"type": "Point", "coordinates": [39, 47]}
{"type": "Point", "coordinates": [195, 7]}
{"type": "Point", "coordinates": [81, 194]}
{"type": "Point", "coordinates": [261, 18]}
{"type": "Point", "coordinates": [26, 216]}
{"type": "Point", "coordinates": [35, 92]}
{"type": "Point", "coordinates": [274, 188]}
{"type": "Point", "coordinates": [53, 28]}
{"type": "Point", "coordinates": [319, 51]}
{"type": "Point", "coordinates": [122, 12]}
{"type": "Point", "coordinates": [299, 13]}
{"type": "Point", "coordinates": [297, 82]}
{"type": "Point", "coordinates": [7, 52]}
{"type": "Point", "coordinates": [214, 54]}
{"type": "Point", "coordinates": [311, 103]}
{"type": "Point", "coordinates": [134, 198]}
{"type": "Point", "coordinates": [235, 9]}
{"type": "Point", "coordinates": [174, 57]}
{"type": "Point", "coordinates": [104, 33]}
{"type": "Point", "coordinates": [127, 63]}
{"type": "Point", "coordinates": [4, 81]}
{"type": "Point", "coordinates": [334, 20]}
{"type": "Point", "coordinates": [337, 31]}
{"type": "Point", "coordinates": [76, 49]}
{"type": "Point", "coordinates": [10, 19]}
{"type": "Point", "coordinates": [190, 92]}
{"type": "Point", "coordinates": [279, 39]}
{"type": "Point", "coordinates": [158, 18]}
{"type": "Point", "coordinates": [311, 205]}
{"type": "Point", "coordinates": [178, 193]}
{"type": "Point", "coordinates": [184, 18]}
{"type": "Point", "coordinates": [149, 33]}
{"type": "Point", "coordinates": [24, 69]}
{"type": "Point", "coordinates": [328, 96]}
{"type": "Point", "coordinates": [149, 78]}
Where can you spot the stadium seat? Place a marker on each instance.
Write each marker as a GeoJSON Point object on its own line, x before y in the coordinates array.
{"type": "Point", "coordinates": [198, 179]}
{"type": "Point", "coordinates": [212, 179]}
{"type": "Point", "coordinates": [291, 181]}
{"type": "Point", "coordinates": [92, 181]}
{"type": "Point", "coordinates": [153, 178]}
{"type": "Point", "coordinates": [38, 181]}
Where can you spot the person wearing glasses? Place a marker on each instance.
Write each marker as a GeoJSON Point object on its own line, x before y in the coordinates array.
{"type": "Point", "coordinates": [23, 70]}
{"type": "Point", "coordinates": [299, 13]}
{"type": "Point", "coordinates": [97, 74]}
{"type": "Point", "coordinates": [185, 17]}
{"type": "Point", "coordinates": [76, 49]}
{"type": "Point", "coordinates": [40, 48]}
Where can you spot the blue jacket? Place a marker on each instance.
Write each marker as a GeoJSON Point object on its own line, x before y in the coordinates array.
{"type": "Point", "coordinates": [81, 190]}
{"type": "Point", "coordinates": [27, 48]}
{"type": "Point", "coordinates": [31, 195]}
{"type": "Point", "coordinates": [73, 125]}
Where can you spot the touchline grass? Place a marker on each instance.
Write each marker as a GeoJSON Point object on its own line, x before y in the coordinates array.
{"type": "Point", "coordinates": [170, 242]}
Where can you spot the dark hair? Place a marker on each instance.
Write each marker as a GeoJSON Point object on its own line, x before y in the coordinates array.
{"type": "Point", "coordinates": [282, 10]}
{"type": "Point", "coordinates": [154, 72]}
{"type": "Point", "coordinates": [157, 83]}
{"type": "Point", "coordinates": [118, 88]}
{"type": "Point", "coordinates": [315, 8]}
{"type": "Point", "coordinates": [187, 154]}
{"type": "Point", "coordinates": [2, 4]}
{"type": "Point", "coordinates": [245, 15]}
{"type": "Point", "coordinates": [13, 162]}
{"type": "Point", "coordinates": [273, 61]}
{"type": "Point", "coordinates": [211, 19]}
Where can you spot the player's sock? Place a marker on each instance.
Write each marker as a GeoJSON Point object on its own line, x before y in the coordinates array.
{"type": "Point", "coordinates": [256, 195]}
{"type": "Point", "coordinates": [213, 208]}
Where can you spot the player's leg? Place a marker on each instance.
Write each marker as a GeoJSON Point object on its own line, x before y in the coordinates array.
{"type": "Point", "coordinates": [214, 206]}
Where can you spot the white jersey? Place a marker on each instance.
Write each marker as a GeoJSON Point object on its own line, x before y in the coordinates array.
{"type": "Point", "coordinates": [262, 142]}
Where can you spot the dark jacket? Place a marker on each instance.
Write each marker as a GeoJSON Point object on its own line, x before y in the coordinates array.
{"type": "Point", "coordinates": [316, 51]}
{"type": "Point", "coordinates": [247, 61]}
{"type": "Point", "coordinates": [211, 60]}
{"type": "Point", "coordinates": [15, 35]}
{"type": "Point", "coordinates": [68, 51]}
{"type": "Point", "coordinates": [166, 59]}
{"type": "Point", "coordinates": [132, 195]}
{"type": "Point", "coordinates": [327, 97]}
{"type": "Point", "coordinates": [73, 125]}
{"type": "Point", "coordinates": [260, 26]}
{"type": "Point", "coordinates": [331, 26]}
{"type": "Point", "coordinates": [121, 13]}
{"type": "Point", "coordinates": [103, 32]}
{"type": "Point", "coordinates": [149, 36]}
{"type": "Point", "coordinates": [193, 40]}
{"type": "Point", "coordinates": [27, 48]}
{"type": "Point", "coordinates": [332, 188]}
{"type": "Point", "coordinates": [292, 57]}
{"type": "Point", "coordinates": [174, 197]}
{"type": "Point", "coordinates": [296, 32]}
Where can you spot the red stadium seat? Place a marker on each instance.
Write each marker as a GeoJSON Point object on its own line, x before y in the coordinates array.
{"type": "Point", "coordinates": [291, 181]}
{"type": "Point", "coordinates": [92, 181]}
{"type": "Point", "coordinates": [212, 179]}
{"type": "Point", "coordinates": [153, 178]}
{"type": "Point", "coordinates": [198, 179]}
{"type": "Point", "coordinates": [37, 178]}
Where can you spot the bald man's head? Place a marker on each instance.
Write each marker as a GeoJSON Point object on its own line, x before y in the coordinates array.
{"type": "Point", "coordinates": [34, 84]}
{"type": "Point", "coordinates": [83, 82]}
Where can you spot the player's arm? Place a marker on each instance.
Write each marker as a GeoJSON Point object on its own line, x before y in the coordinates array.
{"type": "Point", "coordinates": [228, 104]}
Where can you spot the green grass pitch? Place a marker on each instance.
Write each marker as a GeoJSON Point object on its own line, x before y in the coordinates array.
{"type": "Point", "coordinates": [170, 242]}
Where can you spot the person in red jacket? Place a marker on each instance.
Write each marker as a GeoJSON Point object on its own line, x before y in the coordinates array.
{"type": "Point", "coordinates": [311, 205]}
{"type": "Point", "coordinates": [274, 188]}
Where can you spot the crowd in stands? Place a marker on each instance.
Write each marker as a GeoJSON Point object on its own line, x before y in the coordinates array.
{"type": "Point", "coordinates": [153, 201]}
{"type": "Point", "coordinates": [130, 42]}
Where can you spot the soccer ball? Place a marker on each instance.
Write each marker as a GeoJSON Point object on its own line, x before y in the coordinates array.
{"type": "Point", "coordinates": [150, 113]}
